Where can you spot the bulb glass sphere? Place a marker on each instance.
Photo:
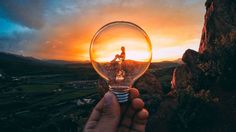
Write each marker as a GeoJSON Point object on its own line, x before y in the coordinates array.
{"type": "Point", "coordinates": [120, 52]}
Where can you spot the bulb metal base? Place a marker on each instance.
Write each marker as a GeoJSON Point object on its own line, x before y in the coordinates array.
{"type": "Point", "coordinates": [122, 97]}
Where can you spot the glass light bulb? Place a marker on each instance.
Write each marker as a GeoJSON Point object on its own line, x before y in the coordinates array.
{"type": "Point", "coordinates": [120, 52]}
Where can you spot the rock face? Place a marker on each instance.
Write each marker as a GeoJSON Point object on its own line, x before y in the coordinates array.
{"type": "Point", "coordinates": [215, 63]}
{"type": "Point", "coordinates": [181, 81]}
{"type": "Point", "coordinates": [220, 25]}
{"type": "Point", "coordinates": [205, 84]}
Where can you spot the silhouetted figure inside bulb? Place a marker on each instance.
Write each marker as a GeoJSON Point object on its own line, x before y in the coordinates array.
{"type": "Point", "coordinates": [121, 57]}
{"type": "Point", "coordinates": [120, 73]}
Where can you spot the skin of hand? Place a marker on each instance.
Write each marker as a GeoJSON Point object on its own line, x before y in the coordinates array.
{"type": "Point", "coordinates": [110, 116]}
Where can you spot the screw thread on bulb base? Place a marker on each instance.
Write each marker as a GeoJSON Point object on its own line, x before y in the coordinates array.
{"type": "Point", "coordinates": [122, 97]}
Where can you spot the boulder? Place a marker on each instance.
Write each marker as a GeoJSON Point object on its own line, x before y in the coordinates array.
{"type": "Point", "coordinates": [182, 77]}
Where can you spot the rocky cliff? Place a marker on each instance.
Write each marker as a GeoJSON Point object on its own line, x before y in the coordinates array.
{"type": "Point", "coordinates": [204, 85]}
{"type": "Point", "coordinates": [214, 63]}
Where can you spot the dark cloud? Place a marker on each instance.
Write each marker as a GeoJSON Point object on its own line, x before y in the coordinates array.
{"type": "Point", "coordinates": [17, 42]}
{"type": "Point", "coordinates": [28, 13]}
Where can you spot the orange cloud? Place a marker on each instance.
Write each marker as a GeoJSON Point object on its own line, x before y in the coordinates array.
{"type": "Point", "coordinates": [172, 28]}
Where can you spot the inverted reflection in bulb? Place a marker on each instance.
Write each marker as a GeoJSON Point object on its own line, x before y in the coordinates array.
{"type": "Point", "coordinates": [120, 52]}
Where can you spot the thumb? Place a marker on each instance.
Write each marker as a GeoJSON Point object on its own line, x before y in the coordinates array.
{"type": "Point", "coordinates": [110, 113]}
{"type": "Point", "coordinates": [111, 107]}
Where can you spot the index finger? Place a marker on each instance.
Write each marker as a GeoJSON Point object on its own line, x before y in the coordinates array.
{"type": "Point", "coordinates": [133, 93]}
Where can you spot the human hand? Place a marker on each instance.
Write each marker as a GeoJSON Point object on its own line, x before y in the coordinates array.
{"type": "Point", "coordinates": [110, 116]}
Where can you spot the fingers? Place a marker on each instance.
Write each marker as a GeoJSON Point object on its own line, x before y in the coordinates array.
{"type": "Point", "coordinates": [133, 93]}
{"type": "Point", "coordinates": [111, 105]}
{"type": "Point", "coordinates": [139, 121]}
{"type": "Point", "coordinates": [143, 114]}
{"type": "Point", "coordinates": [106, 113]}
{"type": "Point", "coordinates": [136, 105]}
{"type": "Point", "coordinates": [127, 107]}
{"type": "Point", "coordinates": [110, 117]}
{"type": "Point", "coordinates": [95, 115]}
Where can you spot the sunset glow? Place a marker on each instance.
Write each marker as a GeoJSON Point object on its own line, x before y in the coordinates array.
{"type": "Point", "coordinates": [66, 30]}
{"type": "Point", "coordinates": [131, 55]}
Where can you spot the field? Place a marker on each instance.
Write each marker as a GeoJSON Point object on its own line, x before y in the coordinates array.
{"type": "Point", "coordinates": [37, 96]}
{"type": "Point", "coordinates": [39, 105]}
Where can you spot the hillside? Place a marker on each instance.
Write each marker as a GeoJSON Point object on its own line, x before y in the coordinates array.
{"type": "Point", "coordinates": [20, 65]}
{"type": "Point", "coordinates": [17, 65]}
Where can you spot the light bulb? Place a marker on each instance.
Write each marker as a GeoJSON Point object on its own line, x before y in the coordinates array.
{"type": "Point", "coordinates": [120, 52]}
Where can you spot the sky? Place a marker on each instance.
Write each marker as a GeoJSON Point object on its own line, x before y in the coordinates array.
{"type": "Point", "coordinates": [62, 30]}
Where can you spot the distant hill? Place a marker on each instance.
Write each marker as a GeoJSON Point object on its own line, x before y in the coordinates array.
{"type": "Point", "coordinates": [164, 64]}
{"type": "Point", "coordinates": [21, 65]}
{"type": "Point", "coordinates": [12, 64]}
{"type": "Point", "coordinates": [8, 57]}
{"type": "Point", "coordinates": [65, 62]}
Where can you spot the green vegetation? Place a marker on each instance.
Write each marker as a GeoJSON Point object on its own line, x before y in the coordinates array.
{"type": "Point", "coordinates": [44, 98]}
{"type": "Point", "coordinates": [34, 88]}
{"type": "Point", "coordinates": [37, 96]}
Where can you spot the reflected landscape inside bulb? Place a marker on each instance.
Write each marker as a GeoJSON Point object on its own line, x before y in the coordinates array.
{"type": "Point", "coordinates": [120, 52]}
